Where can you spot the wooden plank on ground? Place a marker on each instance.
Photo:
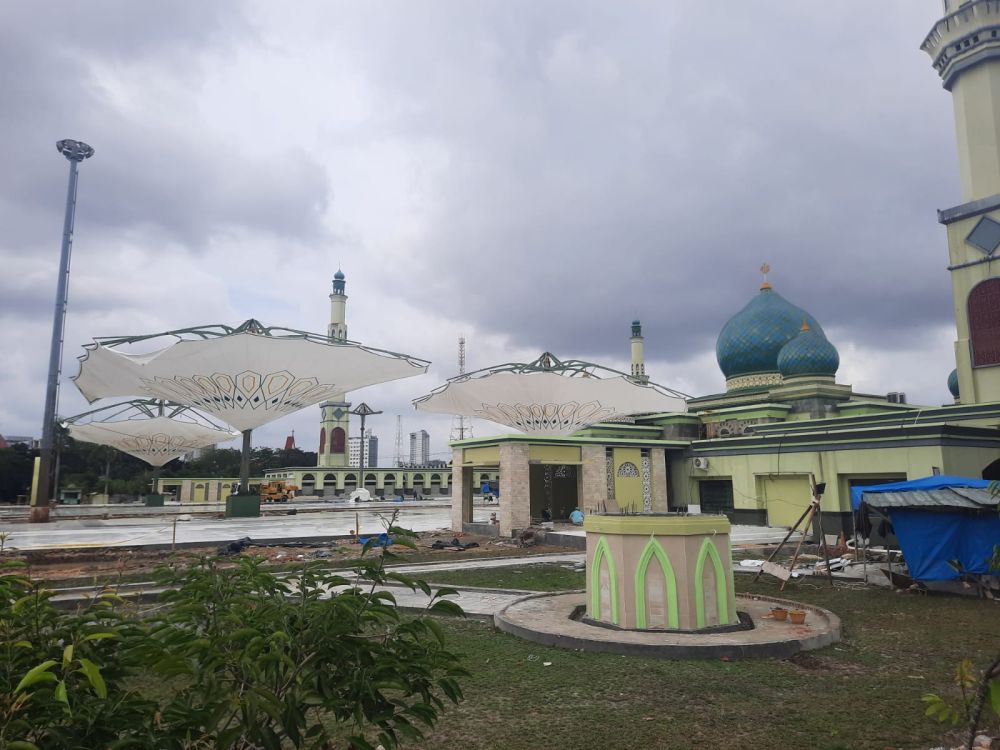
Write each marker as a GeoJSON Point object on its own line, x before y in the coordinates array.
{"type": "Point", "coordinates": [776, 570]}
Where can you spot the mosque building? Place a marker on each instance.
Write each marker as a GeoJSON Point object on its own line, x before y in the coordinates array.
{"type": "Point", "coordinates": [784, 422]}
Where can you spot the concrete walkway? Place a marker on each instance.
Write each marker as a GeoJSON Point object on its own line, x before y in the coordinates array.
{"type": "Point", "coordinates": [141, 532]}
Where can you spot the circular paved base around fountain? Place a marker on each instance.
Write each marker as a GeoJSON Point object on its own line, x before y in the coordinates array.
{"type": "Point", "coordinates": [546, 619]}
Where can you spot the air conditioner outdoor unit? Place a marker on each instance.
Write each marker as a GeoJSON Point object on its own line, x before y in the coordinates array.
{"type": "Point", "coordinates": [700, 462]}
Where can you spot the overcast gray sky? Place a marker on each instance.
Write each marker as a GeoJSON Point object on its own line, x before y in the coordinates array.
{"type": "Point", "coordinates": [532, 175]}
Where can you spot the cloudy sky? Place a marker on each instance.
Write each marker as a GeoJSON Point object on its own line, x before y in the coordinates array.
{"type": "Point", "coordinates": [532, 175]}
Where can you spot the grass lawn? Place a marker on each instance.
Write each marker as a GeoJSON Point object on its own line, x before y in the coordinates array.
{"type": "Point", "coordinates": [537, 577]}
{"type": "Point", "coordinates": [863, 692]}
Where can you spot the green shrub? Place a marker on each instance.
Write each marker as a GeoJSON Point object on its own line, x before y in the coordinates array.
{"type": "Point", "coordinates": [233, 657]}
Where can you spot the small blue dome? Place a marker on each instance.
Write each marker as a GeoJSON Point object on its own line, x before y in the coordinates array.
{"type": "Point", "coordinates": [751, 340]}
{"type": "Point", "coordinates": [809, 353]}
{"type": "Point", "coordinates": [953, 383]}
{"type": "Point", "coordinates": [339, 276]}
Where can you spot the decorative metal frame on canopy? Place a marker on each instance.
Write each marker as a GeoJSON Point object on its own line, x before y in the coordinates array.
{"type": "Point", "coordinates": [507, 405]}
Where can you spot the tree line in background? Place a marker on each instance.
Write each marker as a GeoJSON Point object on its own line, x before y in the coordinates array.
{"type": "Point", "coordinates": [96, 468]}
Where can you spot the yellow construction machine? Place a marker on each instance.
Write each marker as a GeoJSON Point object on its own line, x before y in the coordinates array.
{"type": "Point", "coordinates": [277, 492]}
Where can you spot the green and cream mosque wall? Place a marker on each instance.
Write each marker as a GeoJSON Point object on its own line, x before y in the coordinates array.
{"type": "Point", "coordinates": [428, 482]}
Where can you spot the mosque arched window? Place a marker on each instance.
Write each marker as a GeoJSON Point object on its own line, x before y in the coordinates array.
{"type": "Point", "coordinates": [628, 469]}
{"type": "Point", "coordinates": [984, 323]}
{"type": "Point", "coordinates": [337, 440]}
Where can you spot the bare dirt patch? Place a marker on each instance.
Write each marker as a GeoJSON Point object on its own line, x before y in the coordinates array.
{"type": "Point", "coordinates": [82, 567]}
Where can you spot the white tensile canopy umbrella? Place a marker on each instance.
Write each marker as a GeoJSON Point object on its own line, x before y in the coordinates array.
{"type": "Point", "coordinates": [155, 431]}
{"type": "Point", "coordinates": [550, 397]}
{"type": "Point", "coordinates": [246, 376]}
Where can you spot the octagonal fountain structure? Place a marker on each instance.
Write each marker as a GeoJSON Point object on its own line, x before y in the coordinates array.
{"type": "Point", "coordinates": [665, 572]}
{"type": "Point", "coordinates": [662, 585]}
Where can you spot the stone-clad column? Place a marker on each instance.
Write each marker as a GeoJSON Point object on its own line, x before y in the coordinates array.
{"type": "Point", "coordinates": [593, 478]}
{"type": "Point", "coordinates": [658, 472]}
{"type": "Point", "coordinates": [515, 489]}
{"type": "Point", "coordinates": [461, 496]}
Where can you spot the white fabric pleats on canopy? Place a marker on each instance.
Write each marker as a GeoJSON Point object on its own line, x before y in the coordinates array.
{"type": "Point", "coordinates": [548, 403]}
{"type": "Point", "coordinates": [245, 379]}
{"type": "Point", "coordinates": [155, 440]}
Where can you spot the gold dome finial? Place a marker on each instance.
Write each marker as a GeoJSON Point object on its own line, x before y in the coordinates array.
{"type": "Point", "coordinates": [765, 269]}
{"type": "Point", "coordinates": [805, 326]}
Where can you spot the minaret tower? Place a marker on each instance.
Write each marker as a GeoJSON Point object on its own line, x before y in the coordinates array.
{"type": "Point", "coordinates": [335, 414]}
{"type": "Point", "coordinates": [638, 354]}
{"type": "Point", "coordinates": [965, 49]}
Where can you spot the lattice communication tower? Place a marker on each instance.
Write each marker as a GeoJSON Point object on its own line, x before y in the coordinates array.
{"type": "Point", "coordinates": [459, 429]}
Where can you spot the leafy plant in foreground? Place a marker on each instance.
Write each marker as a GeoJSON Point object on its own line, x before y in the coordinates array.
{"type": "Point", "coordinates": [233, 658]}
{"type": "Point", "coordinates": [262, 661]}
{"type": "Point", "coordinates": [63, 674]}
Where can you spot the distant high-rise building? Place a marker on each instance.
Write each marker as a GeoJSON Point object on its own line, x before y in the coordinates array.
{"type": "Point", "coordinates": [420, 448]}
{"type": "Point", "coordinates": [371, 450]}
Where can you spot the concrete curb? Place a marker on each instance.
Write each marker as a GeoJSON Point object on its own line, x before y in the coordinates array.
{"type": "Point", "coordinates": [682, 646]}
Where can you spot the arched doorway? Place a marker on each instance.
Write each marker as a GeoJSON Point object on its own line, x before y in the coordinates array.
{"type": "Point", "coordinates": [308, 484]}
{"type": "Point", "coordinates": [390, 485]}
{"type": "Point", "coordinates": [350, 484]}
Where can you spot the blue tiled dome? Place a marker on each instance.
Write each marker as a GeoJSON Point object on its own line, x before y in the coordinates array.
{"type": "Point", "coordinates": [751, 340]}
{"type": "Point", "coordinates": [809, 353]}
{"type": "Point", "coordinates": [953, 383]}
{"type": "Point", "coordinates": [339, 276]}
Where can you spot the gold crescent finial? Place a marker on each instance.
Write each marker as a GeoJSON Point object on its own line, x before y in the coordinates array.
{"type": "Point", "coordinates": [765, 269]}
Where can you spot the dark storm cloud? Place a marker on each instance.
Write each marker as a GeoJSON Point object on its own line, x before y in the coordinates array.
{"type": "Point", "coordinates": [606, 164]}
{"type": "Point", "coordinates": [168, 175]}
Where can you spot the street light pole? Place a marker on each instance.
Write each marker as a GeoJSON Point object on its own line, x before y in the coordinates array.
{"type": "Point", "coordinates": [75, 152]}
{"type": "Point", "coordinates": [363, 410]}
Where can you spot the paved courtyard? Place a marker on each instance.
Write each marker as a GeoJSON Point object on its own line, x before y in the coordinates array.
{"type": "Point", "coordinates": [143, 532]}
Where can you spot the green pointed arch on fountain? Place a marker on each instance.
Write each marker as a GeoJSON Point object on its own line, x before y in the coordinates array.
{"type": "Point", "coordinates": [654, 549]}
{"type": "Point", "coordinates": [601, 553]}
{"type": "Point", "coordinates": [709, 552]}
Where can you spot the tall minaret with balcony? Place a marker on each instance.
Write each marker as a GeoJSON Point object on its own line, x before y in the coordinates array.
{"type": "Point", "coordinates": [335, 414]}
{"type": "Point", "coordinates": [638, 354]}
{"type": "Point", "coordinates": [965, 50]}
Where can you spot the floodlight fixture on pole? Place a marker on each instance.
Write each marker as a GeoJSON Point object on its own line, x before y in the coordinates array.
{"type": "Point", "coordinates": [75, 152]}
{"type": "Point", "coordinates": [363, 410]}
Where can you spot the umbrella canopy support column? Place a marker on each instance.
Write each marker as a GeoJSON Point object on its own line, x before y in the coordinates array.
{"type": "Point", "coordinates": [245, 464]}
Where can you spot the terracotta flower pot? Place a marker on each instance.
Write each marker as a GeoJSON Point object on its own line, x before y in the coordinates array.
{"type": "Point", "coordinates": [797, 616]}
{"type": "Point", "coordinates": [779, 613]}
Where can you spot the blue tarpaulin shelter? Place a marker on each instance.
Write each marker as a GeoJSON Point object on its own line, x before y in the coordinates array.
{"type": "Point", "coordinates": [938, 519]}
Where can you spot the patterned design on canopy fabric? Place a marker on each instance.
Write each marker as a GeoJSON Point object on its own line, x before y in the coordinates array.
{"type": "Point", "coordinates": [219, 393]}
{"type": "Point", "coordinates": [568, 417]}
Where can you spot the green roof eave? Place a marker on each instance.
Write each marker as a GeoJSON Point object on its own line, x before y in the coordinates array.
{"type": "Point", "coordinates": [844, 439]}
{"type": "Point", "coordinates": [669, 417]}
{"type": "Point", "coordinates": [951, 413]}
{"type": "Point", "coordinates": [747, 410]}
